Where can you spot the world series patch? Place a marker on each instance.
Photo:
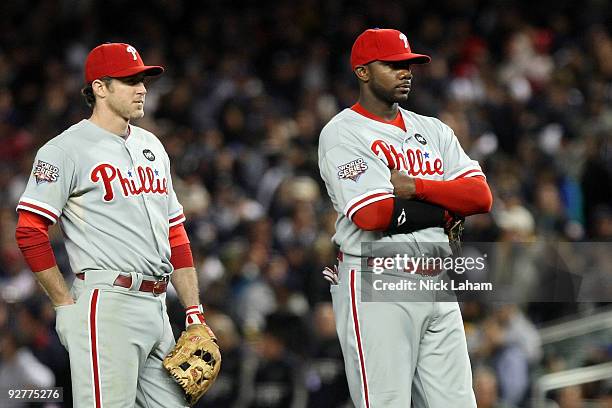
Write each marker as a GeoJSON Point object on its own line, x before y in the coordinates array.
{"type": "Point", "coordinates": [353, 169]}
{"type": "Point", "coordinates": [45, 172]}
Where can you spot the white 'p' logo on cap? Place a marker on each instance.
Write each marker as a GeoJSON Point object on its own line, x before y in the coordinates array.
{"type": "Point", "coordinates": [133, 51]}
{"type": "Point", "coordinates": [403, 37]}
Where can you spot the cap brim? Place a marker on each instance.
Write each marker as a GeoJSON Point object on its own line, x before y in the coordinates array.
{"type": "Point", "coordinates": [148, 70]}
{"type": "Point", "coordinates": [408, 56]}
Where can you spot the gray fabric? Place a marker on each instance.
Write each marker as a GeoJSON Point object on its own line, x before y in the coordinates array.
{"type": "Point", "coordinates": [133, 336]}
{"type": "Point", "coordinates": [128, 232]}
{"type": "Point", "coordinates": [356, 169]}
{"type": "Point", "coordinates": [412, 350]}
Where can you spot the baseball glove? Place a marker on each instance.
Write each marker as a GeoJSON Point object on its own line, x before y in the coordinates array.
{"type": "Point", "coordinates": [195, 361]}
{"type": "Point", "coordinates": [454, 229]}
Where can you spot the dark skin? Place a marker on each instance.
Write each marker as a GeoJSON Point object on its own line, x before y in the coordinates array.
{"type": "Point", "coordinates": [382, 86]}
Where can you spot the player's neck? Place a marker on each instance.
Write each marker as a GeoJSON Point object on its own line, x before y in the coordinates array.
{"type": "Point", "coordinates": [110, 122]}
{"type": "Point", "coordinates": [379, 108]}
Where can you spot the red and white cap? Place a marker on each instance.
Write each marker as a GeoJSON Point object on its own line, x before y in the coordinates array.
{"type": "Point", "coordinates": [382, 44]}
{"type": "Point", "coordinates": [116, 60]}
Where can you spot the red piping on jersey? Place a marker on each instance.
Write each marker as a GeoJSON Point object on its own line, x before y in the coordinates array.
{"type": "Point", "coordinates": [38, 208]}
{"type": "Point", "coordinates": [175, 219]}
{"type": "Point", "coordinates": [398, 121]}
{"type": "Point", "coordinates": [467, 173]}
{"type": "Point", "coordinates": [362, 201]}
{"type": "Point", "coordinates": [358, 337]}
{"type": "Point", "coordinates": [93, 336]}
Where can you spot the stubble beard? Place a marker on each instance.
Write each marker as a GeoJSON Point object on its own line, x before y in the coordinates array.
{"type": "Point", "coordinates": [389, 96]}
{"type": "Point", "coordinates": [126, 111]}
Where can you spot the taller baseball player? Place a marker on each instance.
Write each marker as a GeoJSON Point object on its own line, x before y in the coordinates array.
{"type": "Point", "coordinates": [108, 184]}
{"type": "Point", "coordinates": [397, 177]}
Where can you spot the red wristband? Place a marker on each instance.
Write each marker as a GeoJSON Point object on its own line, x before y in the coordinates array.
{"type": "Point", "coordinates": [194, 315]}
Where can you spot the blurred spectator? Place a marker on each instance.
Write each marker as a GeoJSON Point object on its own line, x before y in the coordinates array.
{"type": "Point", "coordinates": [276, 378]}
{"type": "Point", "coordinates": [570, 397]}
{"type": "Point", "coordinates": [325, 379]}
{"type": "Point", "coordinates": [508, 360]}
{"type": "Point", "coordinates": [19, 369]}
{"type": "Point", "coordinates": [18, 284]}
{"type": "Point", "coordinates": [227, 390]}
{"type": "Point", "coordinates": [520, 331]}
{"type": "Point", "coordinates": [526, 88]}
{"type": "Point", "coordinates": [485, 389]}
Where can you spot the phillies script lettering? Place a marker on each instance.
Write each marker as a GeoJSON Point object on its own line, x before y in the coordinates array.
{"type": "Point", "coordinates": [413, 161]}
{"type": "Point", "coordinates": [148, 181]}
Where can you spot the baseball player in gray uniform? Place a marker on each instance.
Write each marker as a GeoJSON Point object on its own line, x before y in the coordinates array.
{"type": "Point", "coordinates": [108, 184]}
{"type": "Point", "coordinates": [396, 177]}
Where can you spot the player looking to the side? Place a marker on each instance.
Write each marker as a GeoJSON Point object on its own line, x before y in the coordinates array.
{"type": "Point", "coordinates": [108, 184]}
{"type": "Point", "coordinates": [396, 177]}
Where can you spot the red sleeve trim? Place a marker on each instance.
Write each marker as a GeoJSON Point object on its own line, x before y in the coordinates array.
{"type": "Point", "coordinates": [181, 256]}
{"type": "Point", "coordinates": [375, 216]}
{"type": "Point", "coordinates": [468, 173]}
{"type": "Point", "coordinates": [176, 220]}
{"type": "Point", "coordinates": [364, 200]}
{"type": "Point", "coordinates": [38, 210]}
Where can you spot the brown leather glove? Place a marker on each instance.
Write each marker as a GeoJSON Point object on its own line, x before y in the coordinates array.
{"type": "Point", "coordinates": [195, 361]}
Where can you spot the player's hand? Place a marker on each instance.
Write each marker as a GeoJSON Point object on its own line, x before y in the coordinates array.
{"type": "Point", "coordinates": [64, 302]}
{"type": "Point", "coordinates": [403, 185]}
{"type": "Point", "coordinates": [331, 275]}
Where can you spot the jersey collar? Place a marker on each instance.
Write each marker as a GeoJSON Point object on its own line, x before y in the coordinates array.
{"type": "Point", "coordinates": [398, 121]}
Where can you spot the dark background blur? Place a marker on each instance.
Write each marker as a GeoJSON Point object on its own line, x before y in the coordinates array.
{"type": "Point", "coordinates": [526, 86]}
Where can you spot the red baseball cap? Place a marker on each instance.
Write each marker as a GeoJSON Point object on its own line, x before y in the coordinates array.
{"type": "Point", "coordinates": [116, 60]}
{"type": "Point", "coordinates": [381, 44]}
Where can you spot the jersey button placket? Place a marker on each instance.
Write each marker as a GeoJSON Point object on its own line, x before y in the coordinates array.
{"type": "Point", "coordinates": [133, 152]}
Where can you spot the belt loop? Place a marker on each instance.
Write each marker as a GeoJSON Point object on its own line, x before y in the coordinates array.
{"type": "Point", "coordinates": [136, 281]}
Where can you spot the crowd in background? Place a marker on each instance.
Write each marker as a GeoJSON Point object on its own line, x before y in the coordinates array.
{"type": "Point", "coordinates": [526, 86]}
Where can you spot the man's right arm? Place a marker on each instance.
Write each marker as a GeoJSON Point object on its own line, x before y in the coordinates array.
{"type": "Point", "coordinates": [55, 286]}
{"type": "Point", "coordinates": [32, 238]}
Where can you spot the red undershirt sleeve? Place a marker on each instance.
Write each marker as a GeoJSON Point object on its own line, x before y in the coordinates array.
{"type": "Point", "coordinates": [375, 216]}
{"type": "Point", "coordinates": [180, 250]}
{"type": "Point", "coordinates": [32, 236]}
{"type": "Point", "coordinates": [463, 196]}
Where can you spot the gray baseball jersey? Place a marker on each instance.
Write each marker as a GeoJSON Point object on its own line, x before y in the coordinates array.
{"type": "Point", "coordinates": [356, 155]}
{"type": "Point", "coordinates": [396, 354]}
{"type": "Point", "coordinates": [113, 198]}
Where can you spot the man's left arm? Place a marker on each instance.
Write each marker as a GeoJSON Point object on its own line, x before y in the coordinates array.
{"type": "Point", "coordinates": [185, 281]}
{"type": "Point", "coordinates": [184, 278]}
{"type": "Point", "coordinates": [462, 196]}
{"type": "Point", "coordinates": [464, 190]}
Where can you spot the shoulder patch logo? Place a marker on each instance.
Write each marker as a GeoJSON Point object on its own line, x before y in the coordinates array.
{"type": "Point", "coordinates": [420, 138]}
{"type": "Point", "coordinates": [352, 170]}
{"type": "Point", "coordinates": [45, 172]}
{"type": "Point", "coordinates": [148, 154]}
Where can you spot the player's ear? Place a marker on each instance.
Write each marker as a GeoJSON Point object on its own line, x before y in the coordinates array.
{"type": "Point", "coordinates": [362, 72]}
{"type": "Point", "coordinates": [99, 88]}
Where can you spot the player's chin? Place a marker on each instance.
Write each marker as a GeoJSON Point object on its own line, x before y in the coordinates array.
{"type": "Point", "coordinates": [401, 95]}
{"type": "Point", "coordinates": [137, 114]}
